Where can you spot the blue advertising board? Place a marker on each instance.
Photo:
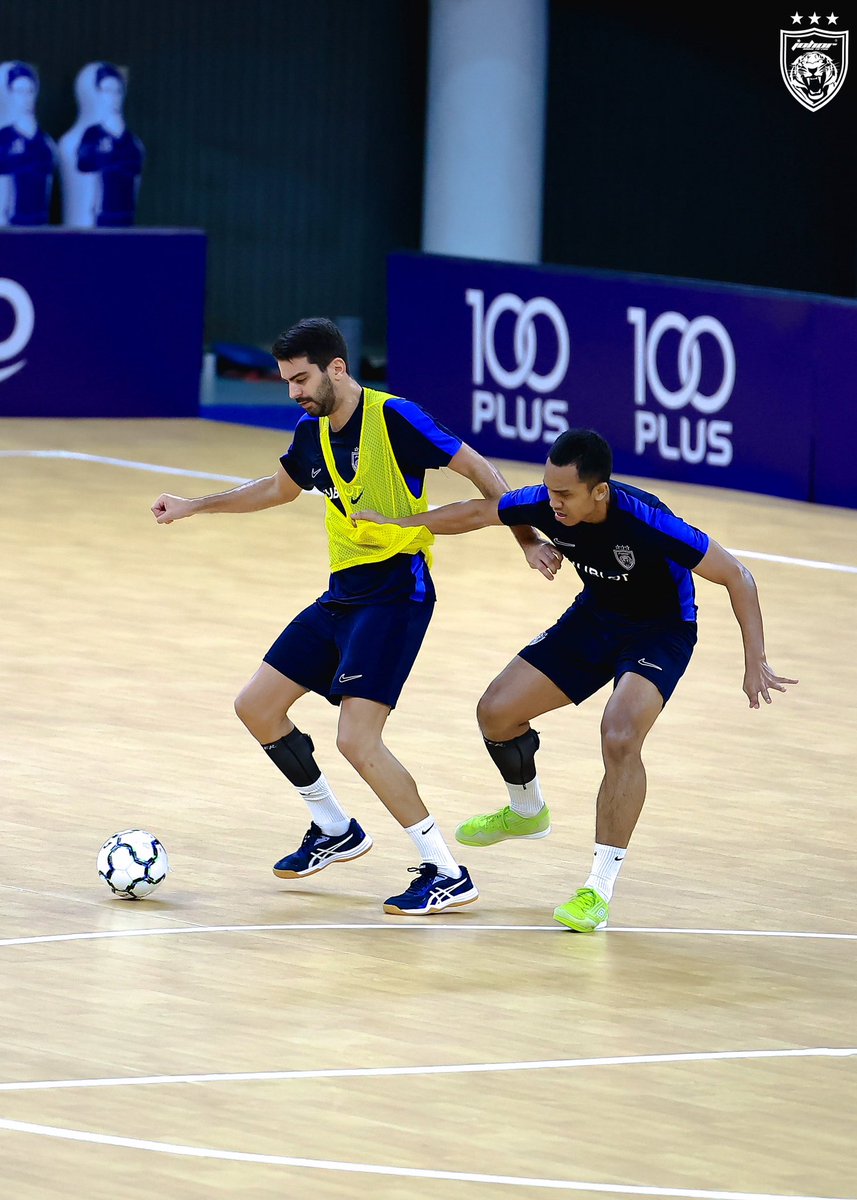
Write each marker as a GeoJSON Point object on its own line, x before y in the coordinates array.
{"type": "Point", "coordinates": [101, 323]}
{"type": "Point", "coordinates": [707, 384]}
{"type": "Point", "coordinates": [834, 433]}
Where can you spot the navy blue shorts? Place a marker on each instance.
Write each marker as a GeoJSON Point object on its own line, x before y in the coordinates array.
{"type": "Point", "coordinates": [360, 650]}
{"type": "Point", "coordinates": [588, 647]}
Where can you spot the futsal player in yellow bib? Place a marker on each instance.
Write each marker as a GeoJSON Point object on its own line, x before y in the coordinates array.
{"type": "Point", "coordinates": [357, 643]}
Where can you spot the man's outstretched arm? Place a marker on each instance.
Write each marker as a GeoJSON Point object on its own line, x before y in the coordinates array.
{"type": "Point", "coordinates": [539, 553]}
{"type": "Point", "coordinates": [482, 474]}
{"type": "Point", "coordinates": [719, 566]}
{"type": "Point", "coordinates": [461, 517]}
{"type": "Point", "coordinates": [253, 496]}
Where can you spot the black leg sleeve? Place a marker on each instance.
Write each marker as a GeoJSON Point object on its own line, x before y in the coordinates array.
{"type": "Point", "coordinates": [516, 760]}
{"type": "Point", "coordinates": [293, 755]}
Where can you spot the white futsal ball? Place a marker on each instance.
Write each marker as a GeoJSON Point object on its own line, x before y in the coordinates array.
{"type": "Point", "coordinates": [132, 864]}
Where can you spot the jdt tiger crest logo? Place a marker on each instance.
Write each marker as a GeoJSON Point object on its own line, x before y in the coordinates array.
{"type": "Point", "coordinates": [814, 61]}
{"type": "Point", "coordinates": [624, 557]}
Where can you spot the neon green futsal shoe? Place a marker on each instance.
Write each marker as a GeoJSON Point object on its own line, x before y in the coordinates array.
{"type": "Point", "coordinates": [585, 912]}
{"type": "Point", "coordinates": [495, 827]}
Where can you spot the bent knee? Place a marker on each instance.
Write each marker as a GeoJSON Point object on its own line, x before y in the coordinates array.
{"type": "Point", "coordinates": [490, 710]}
{"type": "Point", "coordinates": [358, 748]}
{"type": "Point", "coordinates": [264, 725]}
{"type": "Point", "coordinates": [244, 707]}
{"type": "Point", "coordinates": [620, 740]}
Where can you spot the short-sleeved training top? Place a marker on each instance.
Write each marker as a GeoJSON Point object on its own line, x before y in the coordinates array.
{"type": "Point", "coordinates": [30, 163]}
{"type": "Point", "coordinates": [636, 563]}
{"type": "Point", "coordinates": [420, 444]}
{"type": "Point", "coordinates": [120, 162]}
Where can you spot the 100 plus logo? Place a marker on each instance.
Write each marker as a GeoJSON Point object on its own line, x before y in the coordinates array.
{"type": "Point", "coordinates": [518, 344]}
{"type": "Point", "coordinates": [23, 323]}
{"type": "Point", "coordinates": [700, 374]}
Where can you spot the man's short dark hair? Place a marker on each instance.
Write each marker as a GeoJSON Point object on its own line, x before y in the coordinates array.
{"type": "Point", "coordinates": [316, 339]}
{"type": "Point", "coordinates": [586, 450]}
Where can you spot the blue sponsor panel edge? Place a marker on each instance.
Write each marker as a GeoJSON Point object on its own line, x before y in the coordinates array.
{"type": "Point", "coordinates": [101, 323]}
{"type": "Point", "coordinates": [835, 408]}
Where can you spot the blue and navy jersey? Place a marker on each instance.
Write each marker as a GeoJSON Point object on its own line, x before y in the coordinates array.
{"type": "Point", "coordinates": [637, 563]}
{"type": "Point", "coordinates": [120, 161]}
{"type": "Point", "coordinates": [30, 162]}
{"type": "Point", "coordinates": [420, 444]}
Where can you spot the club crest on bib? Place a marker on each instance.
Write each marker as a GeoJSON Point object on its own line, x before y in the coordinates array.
{"type": "Point", "coordinates": [624, 557]}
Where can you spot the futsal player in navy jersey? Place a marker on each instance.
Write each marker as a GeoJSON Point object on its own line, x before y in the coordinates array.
{"type": "Point", "coordinates": [634, 622]}
{"type": "Point", "coordinates": [357, 643]}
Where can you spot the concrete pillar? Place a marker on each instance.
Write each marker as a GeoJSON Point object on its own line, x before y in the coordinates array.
{"type": "Point", "coordinates": [484, 161]}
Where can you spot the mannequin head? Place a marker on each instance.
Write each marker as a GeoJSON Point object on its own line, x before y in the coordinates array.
{"type": "Point", "coordinates": [21, 90]}
{"type": "Point", "coordinates": [110, 90]}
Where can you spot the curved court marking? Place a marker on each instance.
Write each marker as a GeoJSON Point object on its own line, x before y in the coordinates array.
{"type": "Point", "coordinates": [161, 470]}
{"type": "Point", "coordinates": [427, 927]}
{"type": "Point", "coordinates": [282, 1160]}
{"type": "Point", "coordinates": [557, 1064]}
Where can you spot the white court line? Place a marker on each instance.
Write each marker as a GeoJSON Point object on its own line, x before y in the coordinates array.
{"type": "Point", "coordinates": [120, 462]}
{"type": "Point", "coordinates": [812, 563]}
{"type": "Point", "coordinates": [142, 466]}
{"type": "Point", "coordinates": [556, 1064]}
{"type": "Point", "coordinates": [282, 1160]}
{"type": "Point", "coordinates": [433, 927]}
{"type": "Point", "coordinates": [362, 1168]}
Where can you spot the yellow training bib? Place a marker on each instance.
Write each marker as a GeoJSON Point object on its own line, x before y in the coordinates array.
{"type": "Point", "coordinates": [377, 484]}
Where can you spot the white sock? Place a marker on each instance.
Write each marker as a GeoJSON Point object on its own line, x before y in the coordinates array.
{"type": "Point", "coordinates": [432, 847]}
{"type": "Point", "coordinates": [526, 798]}
{"type": "Point", "coordinates": [605, 869]}
{"type": "Point", "coordinates": [325, 810]}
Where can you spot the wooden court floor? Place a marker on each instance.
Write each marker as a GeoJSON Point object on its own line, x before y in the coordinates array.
{"type": "Point", "coordinates": [238, 1036]}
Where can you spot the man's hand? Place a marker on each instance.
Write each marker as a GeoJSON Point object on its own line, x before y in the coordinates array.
{"type": "Point", "coordinates": [169, 508]}
{"type": "Point", "coordinates": [544, 557]}
{"type": "Point", "coordinates": [759, 678]}
{"type": "Point", "coordinates": [369, 514]}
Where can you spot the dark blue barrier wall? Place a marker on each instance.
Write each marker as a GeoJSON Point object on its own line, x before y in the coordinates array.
{"type": "Point", "coordinates": [834, 406]}
{"type": "Point", "coordinates": [101, 323]}
{"type": "Point", "coordinates": [712, 384]}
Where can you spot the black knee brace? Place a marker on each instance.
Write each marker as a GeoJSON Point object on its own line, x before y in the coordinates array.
{"type": "Point", "coordinates": [293, 755]}
{"type": "Point", "coordinates": [516, 759]}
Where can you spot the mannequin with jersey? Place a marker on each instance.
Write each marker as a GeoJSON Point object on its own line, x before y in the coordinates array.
{"type": "Point", "coordinates": [101, 159]}
{"type": "Point", "coordinates": [27, 154]}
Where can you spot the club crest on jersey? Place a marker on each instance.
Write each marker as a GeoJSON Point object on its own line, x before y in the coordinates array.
{"type": "Point", "coordinates": [624, 557]}
{"type": "Point", "coordinates": [814, 62]}
{"type": "Point", "coordinates": [355, 458]}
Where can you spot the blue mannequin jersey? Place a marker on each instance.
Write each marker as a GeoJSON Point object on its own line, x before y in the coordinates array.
{"type": "Point", "coordinates": [120, 163]}
{"type": "Point", "coordinates": [30, 162]}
